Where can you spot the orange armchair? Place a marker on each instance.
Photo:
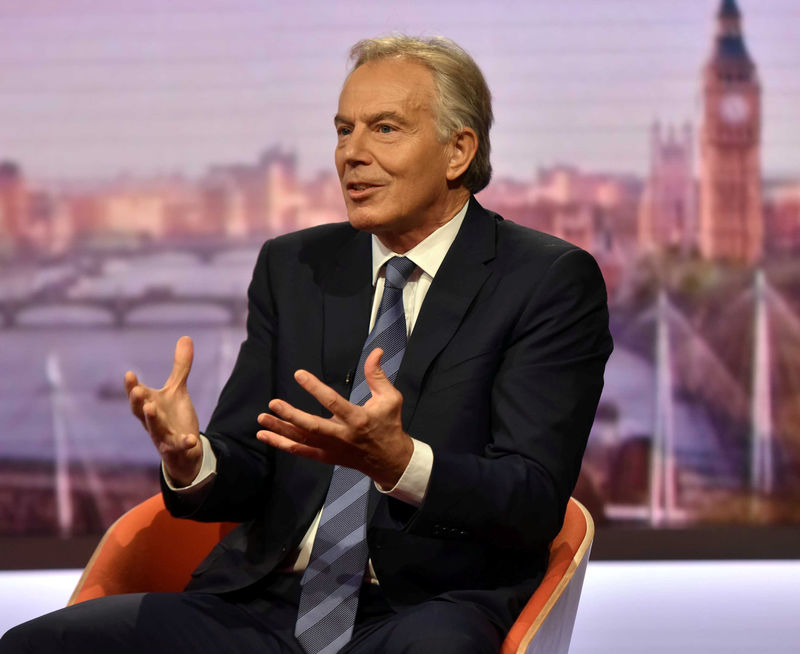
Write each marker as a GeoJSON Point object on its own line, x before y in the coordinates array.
{"type": "Point", "coordinates": [545, 624]}
{"type": "Point", "coordinates": [149, 550]}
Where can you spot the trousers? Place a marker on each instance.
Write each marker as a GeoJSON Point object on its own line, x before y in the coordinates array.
{"type": "Point", "coordinates": [258, 620]}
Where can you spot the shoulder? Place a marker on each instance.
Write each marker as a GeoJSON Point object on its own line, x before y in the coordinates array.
{"type": "Point", "coordinates": [321, 238]}
{"type": "Point", "coordinates": [319, 233]}
{"type": "Point", "coordinates": [526, 251]}
{"type": "Point", "coordinates": [514, 239]}
{"type": "Point", "coordinates": [310, 247]}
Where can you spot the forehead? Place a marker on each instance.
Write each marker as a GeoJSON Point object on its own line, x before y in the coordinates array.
{"type": "Point", "coordinates": [387, 85]}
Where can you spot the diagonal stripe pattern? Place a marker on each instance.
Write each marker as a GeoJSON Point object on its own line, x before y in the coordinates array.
{"type": "Point", "coordinates": [330, 583]}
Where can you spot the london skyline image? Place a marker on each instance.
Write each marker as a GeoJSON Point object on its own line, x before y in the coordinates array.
{"type": "Point", "coordinates": [93, 91]}
{"type": "Point", "coordinates": [146, 151]}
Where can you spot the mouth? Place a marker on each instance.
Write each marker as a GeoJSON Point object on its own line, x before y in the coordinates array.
{"type": "Point", "coordinates": [360, 190]}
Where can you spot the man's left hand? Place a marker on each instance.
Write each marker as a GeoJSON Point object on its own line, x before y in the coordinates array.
{"type": "Point", "coordinates": [369, 438]}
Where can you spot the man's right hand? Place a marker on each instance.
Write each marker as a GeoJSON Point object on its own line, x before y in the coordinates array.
{"type": "Point", "coordinates": [169, 417]}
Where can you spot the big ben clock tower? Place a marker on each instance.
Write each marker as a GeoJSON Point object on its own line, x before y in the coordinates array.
{"type": "Point", "coordinates": [731, 220]}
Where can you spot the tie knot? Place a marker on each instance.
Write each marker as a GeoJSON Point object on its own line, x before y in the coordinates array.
{"type": "Point", "coordinates": [398, 270]}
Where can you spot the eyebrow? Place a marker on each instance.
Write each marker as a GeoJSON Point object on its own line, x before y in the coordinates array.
{"type": "Point", "coordinates": [374, 118]}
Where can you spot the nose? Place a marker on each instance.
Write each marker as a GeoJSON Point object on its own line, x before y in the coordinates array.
{"type": "Point", "coordinates": [355, 149]}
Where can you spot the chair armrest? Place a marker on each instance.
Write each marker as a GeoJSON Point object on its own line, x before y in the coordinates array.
{"type": "Point", "coordinates": [147, 550]}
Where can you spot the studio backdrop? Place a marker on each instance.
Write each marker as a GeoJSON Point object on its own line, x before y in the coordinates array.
{"type": "Point", "coordinates": [148, 148]}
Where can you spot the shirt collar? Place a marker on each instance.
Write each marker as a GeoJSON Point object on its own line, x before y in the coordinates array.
{"type": "Point", "coordinates": [428, 254]}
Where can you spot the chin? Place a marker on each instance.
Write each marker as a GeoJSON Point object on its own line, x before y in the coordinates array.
{"type": "Point", "coordinates": [366, 221]}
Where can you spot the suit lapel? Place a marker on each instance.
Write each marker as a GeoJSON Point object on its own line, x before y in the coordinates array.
{"type": "Point", "coordinates": [347, 303]}
{"type": "Point", "coordinates": [347, 291]}
{"type": "Point", "coordinates": [347, 294]}
{"type": "Point", "coordinates": [456, 284]}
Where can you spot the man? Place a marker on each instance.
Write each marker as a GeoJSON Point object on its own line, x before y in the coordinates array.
{"type": "Point", "coordinates": [450, 438]}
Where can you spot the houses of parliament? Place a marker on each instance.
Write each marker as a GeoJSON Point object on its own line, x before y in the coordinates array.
{"type": "Point", "coordinates": [721, 217]}
{"type": "Point", "coordinates": [702, 193]}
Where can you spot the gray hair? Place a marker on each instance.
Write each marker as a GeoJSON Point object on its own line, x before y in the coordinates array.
{"type": "Point", "coordinates": [463, 97]}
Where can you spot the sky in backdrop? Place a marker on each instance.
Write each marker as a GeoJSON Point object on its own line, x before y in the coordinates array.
{"type": "Point", "coordinates": [92, 89]}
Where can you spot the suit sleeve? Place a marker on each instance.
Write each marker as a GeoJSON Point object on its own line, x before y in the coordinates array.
{"type": "Point", "coordinates": [244, 464]}
{"type": "Point", "coordinates": [543, 400]}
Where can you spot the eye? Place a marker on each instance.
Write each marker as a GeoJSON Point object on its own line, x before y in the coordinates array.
{"type": "Point", "coordinates": [385, 129]}
{"type": "Point", "coordinates": [343, 131]}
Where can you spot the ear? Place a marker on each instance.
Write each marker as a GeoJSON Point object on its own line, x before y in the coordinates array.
{"type": "Point", "coordinates": [463, 146]}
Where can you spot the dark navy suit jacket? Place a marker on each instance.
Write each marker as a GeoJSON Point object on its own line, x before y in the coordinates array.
{"type": "Point", "coordinates": [502, 376]}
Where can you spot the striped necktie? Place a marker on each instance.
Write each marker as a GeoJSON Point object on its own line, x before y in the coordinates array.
{"type": "Point", "coordinates": [330, 583]}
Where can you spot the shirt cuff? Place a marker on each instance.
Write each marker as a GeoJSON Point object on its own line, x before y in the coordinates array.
{"type": "Point", "coordinates": [413, 483]}
{"type": "Point", "coordinates": [208, 471]}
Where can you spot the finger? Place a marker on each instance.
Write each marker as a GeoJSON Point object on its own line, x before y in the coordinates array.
{"type": "Point", "coordinates": [275, 424]}
{"type": "Point", "coordinates": [374, 375]}
{"type": "Point", "coordinates": [182, 362]}
{"type": "Point", "coordinates": [152, 421]}
{"type": "Point", "coordinates": [306, 422]}
{"type": "Point", "coordinates": [137, 398]}
{"type": "Point", "coordinates": [325, 395]}
{"type": "Point", "coordinates": [131, 381]}
{"type": "Point", "coordinates": [281, 442]}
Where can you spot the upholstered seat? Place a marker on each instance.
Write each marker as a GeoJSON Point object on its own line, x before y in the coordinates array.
{"type": "Point", "coordinates": [149, 550]}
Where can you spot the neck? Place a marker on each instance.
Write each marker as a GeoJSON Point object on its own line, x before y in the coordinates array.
{"type": "Point", "coordinates": [402, 242]}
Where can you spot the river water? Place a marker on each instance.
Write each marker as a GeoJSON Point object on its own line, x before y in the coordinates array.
{"type": "Point", "coordinates": [62, 367]}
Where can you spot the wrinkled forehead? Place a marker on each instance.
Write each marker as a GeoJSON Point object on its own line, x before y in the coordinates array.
{"type": "Point", "coordinates": [389, 84]}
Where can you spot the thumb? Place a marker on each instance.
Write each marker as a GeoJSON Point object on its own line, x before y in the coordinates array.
{"type": "Point", "coordinates": [373, 373]}
{"type": "Point", "coordinates": [182, 363]}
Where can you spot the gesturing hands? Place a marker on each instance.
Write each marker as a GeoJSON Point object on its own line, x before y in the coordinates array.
{"type": "Point", "coordinates": [169, 417]}
{"type": "Point", "coordinates": [368, 438]}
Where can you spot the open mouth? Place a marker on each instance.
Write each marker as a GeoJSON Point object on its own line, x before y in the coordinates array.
{"type": "Point", "coordinates": [359, 186]}
{"type": "Point", "coordinates": [361, 190]}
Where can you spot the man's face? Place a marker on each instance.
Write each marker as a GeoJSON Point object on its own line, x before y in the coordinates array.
{"type": "Point", "coordinates": [390, 162]}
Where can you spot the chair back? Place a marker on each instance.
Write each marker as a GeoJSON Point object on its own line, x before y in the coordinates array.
{"type": "Point", "coordinates": [545, 624]}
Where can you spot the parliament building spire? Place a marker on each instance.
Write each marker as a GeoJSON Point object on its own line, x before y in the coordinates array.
{"type": "Point", "coordinates": [731, 219]}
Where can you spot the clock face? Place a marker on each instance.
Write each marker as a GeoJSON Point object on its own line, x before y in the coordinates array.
{"type": "Point", "coordinates": [734, 108]}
